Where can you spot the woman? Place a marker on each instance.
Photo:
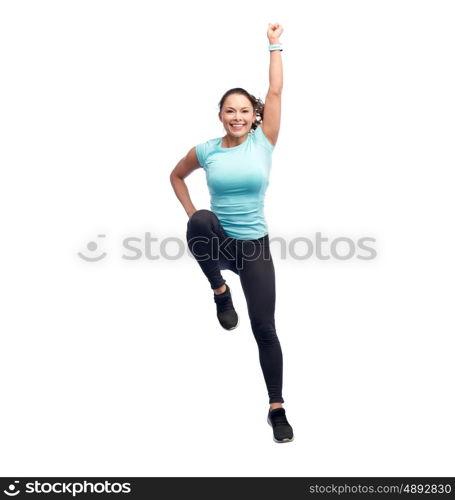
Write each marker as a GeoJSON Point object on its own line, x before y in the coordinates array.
{"type": "Point", "coordinates": [234, 234]}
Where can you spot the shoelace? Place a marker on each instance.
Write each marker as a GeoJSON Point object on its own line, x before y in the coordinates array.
{"type": "Point", "coordinates": [279, 419]}
{"type": "Point", "coordinates": [223, 303]}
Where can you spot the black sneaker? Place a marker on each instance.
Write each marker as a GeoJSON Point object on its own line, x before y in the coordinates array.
{"type": "Point", "coordinates": [225, 309]}
{"type": "Point", "coordinates": [282, 431]}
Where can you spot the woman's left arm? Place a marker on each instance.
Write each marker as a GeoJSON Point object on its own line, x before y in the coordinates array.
{"type": "Point", "coordinates": [272, 105]}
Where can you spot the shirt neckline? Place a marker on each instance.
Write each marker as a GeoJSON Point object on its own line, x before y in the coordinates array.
{"type": "Point", "coordinates": [220, 141]}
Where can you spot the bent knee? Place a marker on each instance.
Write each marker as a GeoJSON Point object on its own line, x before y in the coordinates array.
{"type": "Point", "coordinates": [201, 217]}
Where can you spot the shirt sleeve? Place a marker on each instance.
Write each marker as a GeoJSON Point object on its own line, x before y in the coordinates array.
{"type": "Point", "coordinates": [262, 139]}
{"type": "Point", "coordinates": [201, 153]}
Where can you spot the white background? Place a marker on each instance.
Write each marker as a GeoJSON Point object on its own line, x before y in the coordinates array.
{"type": "Point", "coordinates": [119, 367]}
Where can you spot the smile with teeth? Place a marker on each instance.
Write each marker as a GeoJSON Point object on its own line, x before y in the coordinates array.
{"type": "Point", "coordinates": [236, 125]}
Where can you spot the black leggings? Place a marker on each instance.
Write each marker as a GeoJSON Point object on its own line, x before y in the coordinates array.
{"type": "Point", "coordinates": [252, 261]}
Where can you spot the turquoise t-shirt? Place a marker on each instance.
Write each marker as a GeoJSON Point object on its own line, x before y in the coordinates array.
{"type": "Point", "coordinates": [237, 179]}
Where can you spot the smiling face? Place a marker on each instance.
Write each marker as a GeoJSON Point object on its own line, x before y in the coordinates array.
{"type": "Point", "coordinates": [237, 115]}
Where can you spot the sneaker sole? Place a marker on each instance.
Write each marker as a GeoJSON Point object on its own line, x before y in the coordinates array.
{"type": "Point", "coordinates": [233, 327]}
{"type": "Point", "coordinates": [285, 440]}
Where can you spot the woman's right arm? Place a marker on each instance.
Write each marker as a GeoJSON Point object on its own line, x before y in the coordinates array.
{"type": "Point", "coordinates": [184, 168]}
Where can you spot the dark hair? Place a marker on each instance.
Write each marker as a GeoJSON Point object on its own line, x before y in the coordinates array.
{"type": "Point", "coordinates": [258, 105]}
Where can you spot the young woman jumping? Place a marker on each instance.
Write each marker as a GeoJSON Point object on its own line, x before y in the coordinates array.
{"type": "Point", "coordinates": [233, 235]}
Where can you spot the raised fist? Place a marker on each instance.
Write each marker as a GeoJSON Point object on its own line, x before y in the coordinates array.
{"type": "Point", "coordinates": [274, 32]}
